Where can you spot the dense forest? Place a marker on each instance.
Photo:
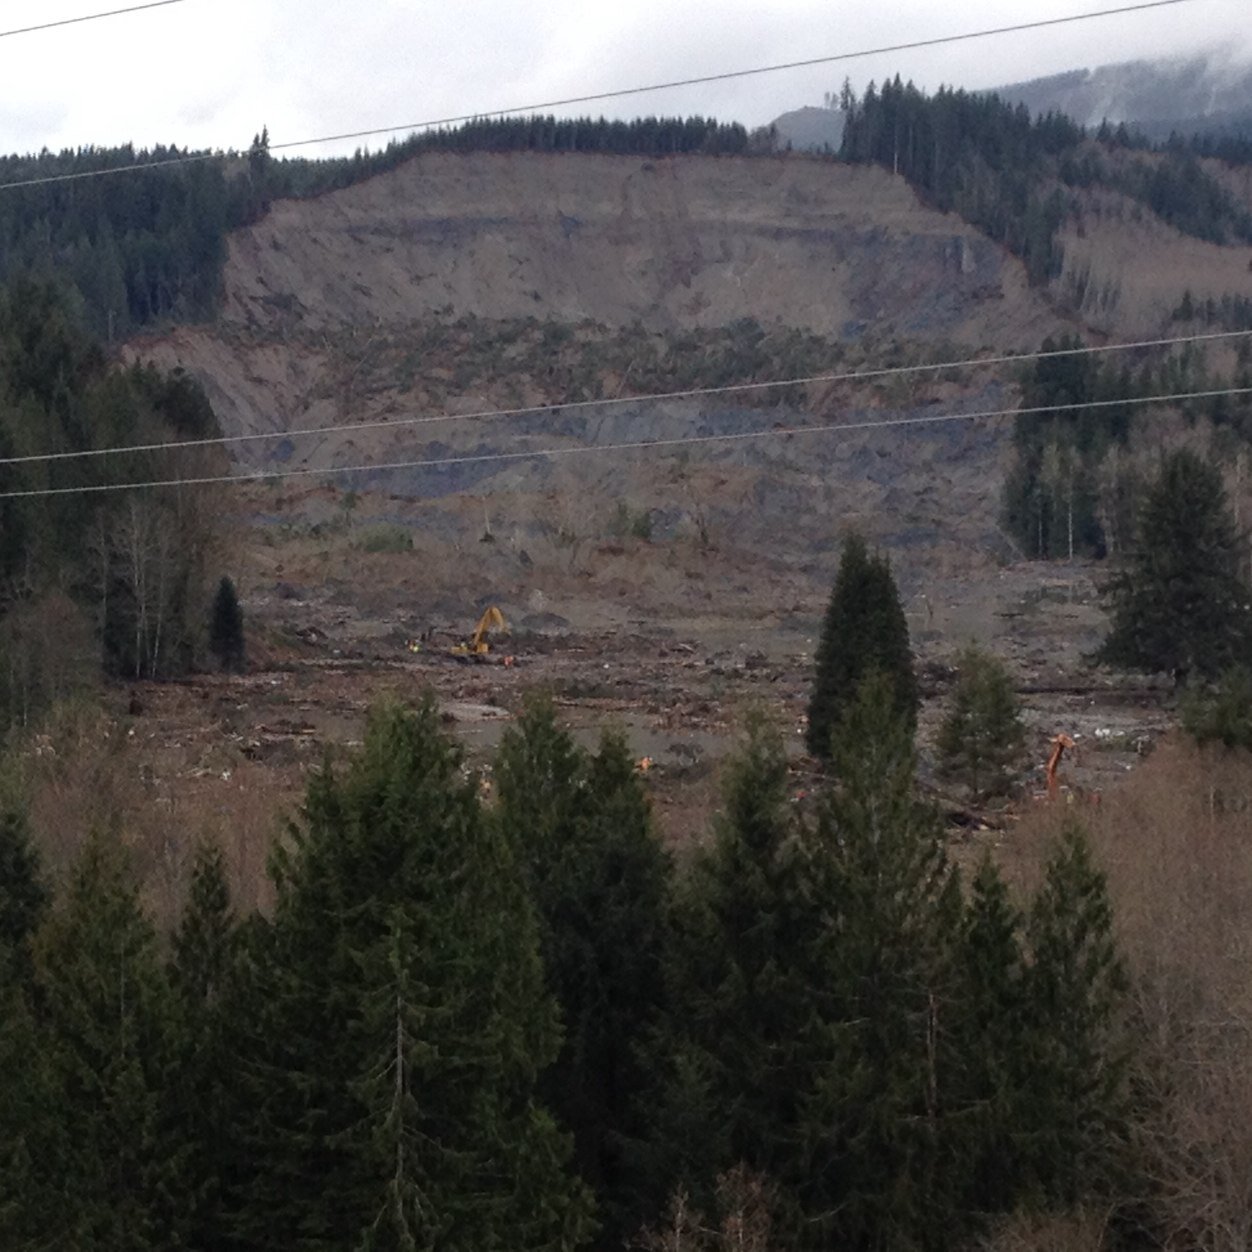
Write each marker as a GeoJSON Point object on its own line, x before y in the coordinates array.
{"type": "Point", "coordinates": [91, 580]}
{"type": "Point", "coordinates": [519, 1025]}
{"type": "Point", "coordinates": [1073, 489]}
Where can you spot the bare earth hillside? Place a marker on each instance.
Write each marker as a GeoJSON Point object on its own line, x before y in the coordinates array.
{"type": "Point", "coordinates": [687, 241]}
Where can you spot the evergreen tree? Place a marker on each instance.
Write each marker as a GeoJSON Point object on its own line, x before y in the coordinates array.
{"type": "Point", "coordinates": [991, 1083]}
{"type": "Point", "coordinates": [23, 897]}
{"type": "Point", "coordinates": [1073, 1118]}
{"type": "Point", "coordinates": [739, 995]}
{"type": "Point", "coordinates": [31, 1122]}
{"type": "Point", "coordinates": [873, 1117]}
{"type": "Point", "coordinates": [34, 1129]}
{"type": "Point", "coordinates": [201, 974]}
{"type": "Point", "coordinates": [581, 830]}
{"type": "Point", "coordinates": [981, 739]}
{"type": "Point", "coordinates": [226, 640]}
{"type": "Point", "coordinates": [864, 630]}
{"type": "Point", "coordinates": [1223, 713]}
{"type": "Point", "coordinates": [813, 972]}
{"type": "Point", "coordinates": [105, 1025]}
{"type": "Point", "coordinates": [1181, 604]}
{"type": "Point", "coordinates": [398, 1015]}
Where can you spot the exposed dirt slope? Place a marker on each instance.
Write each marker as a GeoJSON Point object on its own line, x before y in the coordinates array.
{"type": "Point", "coordinates": [458, 283]}
{"type": "Point", "coordinates": [681, 242]}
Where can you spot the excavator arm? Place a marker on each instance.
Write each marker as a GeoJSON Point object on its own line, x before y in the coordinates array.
{"type": "Point", "coordinates": [477, 645]}
{"type": "Point", "coordinates": [492, 619]}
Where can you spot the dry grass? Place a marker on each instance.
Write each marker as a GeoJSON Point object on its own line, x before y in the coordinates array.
{"type": "Point", "coordinates": [85, 773]}
{"type": "Point", "coordinates": [1174, 841]}
{"type": "Point", "coordinates": [1071, 1232]}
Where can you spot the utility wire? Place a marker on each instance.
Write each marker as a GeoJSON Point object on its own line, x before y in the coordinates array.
{"type": "Point", "coordinates": [616, 94]}
{"type": "Point", "coordinates": [550, 453]}
{"type": "Point", "coordinates": [850, 376]}
{"type": "Point", "coordinates": [89, 17]}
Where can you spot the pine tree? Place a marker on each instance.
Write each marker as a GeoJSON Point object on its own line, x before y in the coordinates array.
{"type": "Point", "coordinates": [105, 1025]}
{"type": "Point", "coordinates": [740, 991]}
{"type": "Point", "coordinates": [23, 897]}
{"type": "Point", "coordinates": [31, 1120]}
{"type": "Point", "coordinates": [873, 1116]}
{"type": "Point", "coordinates": [226, 639]}
{"type": "Point", "coordinates": [982, 736]}
{"type": "Point", "coordinates": [402, 951]}
{"type": "Point", "coordinates": [991, 1082]}
{"type": "Point", "coordinates": [580, 827]}
{"type": "Point", "coordinates": [864, 630]}
{"type": "Point", "coordinates": [1181, 604]}
{"type": "Point", "coordinates": [1073, 1116]}
{"type": "Point", "coordinates": [198, 1102]}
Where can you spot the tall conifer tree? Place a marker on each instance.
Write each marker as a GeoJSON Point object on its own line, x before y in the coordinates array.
{"type": "Point", "coordinates": [200, 1097]}
{"type": "Point", "coordinates": [1181, 604]}
{"type": "Point", "coordinates": [32, 1120]}
{"type": "Point", "coordinates": [106, 1025]}
{"type": "Point", "coordinates": [581, 829]}
{"type": "Point", "coordinates": [226, 639]}
{"type": "Point", "coordinates": [864, 630]}
{"type": "Point", "coordinates": [993, 1079]}
{"type": "Point", "coordinates": [402, 945]}
{"type": "Point", "coordinates": [982, 735]}
{"type": "Point", "coordinates": [873, 1121]}
{"type": "Point", "coordinates": [741, 987]}
{"type": "Point", "coordinates": [1075, 985]}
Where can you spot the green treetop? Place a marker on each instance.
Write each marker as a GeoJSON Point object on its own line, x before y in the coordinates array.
{"type": "Point", "coordinates": [400, 1023]}
{"type": "Point", "coordinates": [1182, 604]}
{"type": "Point", "coordinates": [864, 630]}
{"type": "Point", "coordinates": [981, 739]}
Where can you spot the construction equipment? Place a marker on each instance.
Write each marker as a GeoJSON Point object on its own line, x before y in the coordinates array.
{"type": "Point", "coordinates": [477, 645]}
{"type": "Point", "coordinates": [1059, 744]}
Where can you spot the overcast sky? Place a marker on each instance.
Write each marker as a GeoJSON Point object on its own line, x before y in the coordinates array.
{"type": "Point", "coordinates": [210, 73]}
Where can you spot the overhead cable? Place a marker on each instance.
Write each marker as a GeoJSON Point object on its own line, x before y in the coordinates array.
{"type": "Point", "coordinates": [551, 453]}
{"type": "Point", "coordinates": [690, 393]}
{"type": "Point", "coordinates": [87, 17]}
{"type": "Point", "coordinates": [596, 97]}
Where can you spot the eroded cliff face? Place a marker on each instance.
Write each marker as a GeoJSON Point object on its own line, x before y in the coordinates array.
{"type": "Point", "coordinates": [671, 243]}
{"type": "Point", "coordinates": [668, 246]}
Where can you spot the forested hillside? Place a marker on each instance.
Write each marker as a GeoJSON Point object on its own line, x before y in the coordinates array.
{"type": "Point", "coordinates": [113, 580]}
{"type": "Point", "coordinates": [147, 245]}
{"type": "Point", "coordinates": [1010, 174]}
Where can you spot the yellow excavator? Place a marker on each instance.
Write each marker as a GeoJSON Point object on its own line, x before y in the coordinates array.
{"type": "Point", "coordinates": [477, 645]}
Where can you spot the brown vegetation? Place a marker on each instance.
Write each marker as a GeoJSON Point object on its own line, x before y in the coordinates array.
{"type": "Point", "coordinates": [1173, 840]}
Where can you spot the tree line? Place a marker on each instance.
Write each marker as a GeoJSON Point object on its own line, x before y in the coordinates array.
{"type": "Point", "coordinates": [1072, 488]}
{"type": "Point", "coordinates": [1006, 172]}
{"type": "Point", "coordinates": [146, 247]}
{"type": "Point", "coordinates": [520, 1024]}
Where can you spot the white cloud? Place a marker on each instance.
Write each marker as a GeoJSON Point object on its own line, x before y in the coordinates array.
{"type": "Point", "coordinates": [211, 72]}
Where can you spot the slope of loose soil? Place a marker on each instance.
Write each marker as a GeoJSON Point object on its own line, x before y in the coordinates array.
{"type": "Point", "coordinates": [677, 242]}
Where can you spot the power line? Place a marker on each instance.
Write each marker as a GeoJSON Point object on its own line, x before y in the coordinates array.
{"type": "Point", "coordinates": [616, 94]}
{"type": "Point", "coordinates": [88, 17]}
{"type": "Point", "coordinates": [551, 453]}
{"type": "Point", "coordinates": [617, 401]}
